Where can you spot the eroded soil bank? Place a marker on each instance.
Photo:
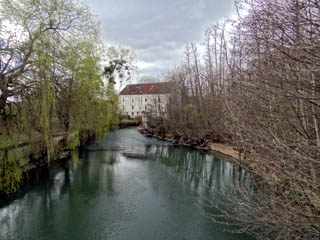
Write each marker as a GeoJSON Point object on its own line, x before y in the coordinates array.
{"type": "Point", "coordinates": [203, 144]}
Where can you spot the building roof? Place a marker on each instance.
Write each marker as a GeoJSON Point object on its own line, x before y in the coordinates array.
{"type": "Point", "coordinates": [147, 88]}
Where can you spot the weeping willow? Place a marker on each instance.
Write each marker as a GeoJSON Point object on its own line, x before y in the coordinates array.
{"type": "Point", "coordinates": [12, 162]}
{"type": "Point", "coordinates": [74, 104]}
{"type": "Point", "coordinates": [46, 105]}
{"type": "Point", "coordinates": [52, 96]}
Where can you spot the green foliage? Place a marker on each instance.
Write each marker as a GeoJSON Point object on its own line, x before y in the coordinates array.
{"type": "Point", "coordinates": [56, 83]}
{"type": "Point", "coordinates": [47, 105]}
{"type": "Point", "coordinates": [82, 107]}
{"type": "Point", "coordinates": [11, 165]}
{"type": "Point", "coordinates": [113, 106]}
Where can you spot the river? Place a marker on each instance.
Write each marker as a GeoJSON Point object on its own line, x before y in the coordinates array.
{"type": "Point", "coordinates": [127, 186]}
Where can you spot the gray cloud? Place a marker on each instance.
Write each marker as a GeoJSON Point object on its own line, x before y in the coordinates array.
{"type": "Point", "coordinates": [157, 30]}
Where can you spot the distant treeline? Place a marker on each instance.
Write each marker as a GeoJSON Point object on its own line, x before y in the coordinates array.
{"type": "Point", "coordinates": [51, 81]}
{"type": "Point", "coordinates": [257, 87]}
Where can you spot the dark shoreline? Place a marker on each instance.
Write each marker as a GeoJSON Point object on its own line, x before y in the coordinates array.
{"type": "Point", "coordinates": [224, 151]}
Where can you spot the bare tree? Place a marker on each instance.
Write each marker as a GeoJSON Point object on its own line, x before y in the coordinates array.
{"type": "Point", "coordinates": [258, 89]}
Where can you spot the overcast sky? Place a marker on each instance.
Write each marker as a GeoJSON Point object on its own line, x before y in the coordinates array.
{"type": "Point", "coordinates": [158, 30]}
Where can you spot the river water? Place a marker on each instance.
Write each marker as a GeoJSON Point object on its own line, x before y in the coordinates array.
{"type": "Point", "coordinates": [126, 186]}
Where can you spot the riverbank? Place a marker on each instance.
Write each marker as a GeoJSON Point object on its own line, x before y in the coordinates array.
{"type": "Point", "coordinates": [125, 123]}
{"type": "Point", "coordinates": [28, 156]}
{"type": "Point", "coordinates": [202, 144]}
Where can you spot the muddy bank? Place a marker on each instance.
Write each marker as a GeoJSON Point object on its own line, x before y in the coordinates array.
{"type": "Point", "coordinates": [203, 144]}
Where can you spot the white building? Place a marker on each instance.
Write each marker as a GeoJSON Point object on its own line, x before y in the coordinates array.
{"type": "Point", "coordinates": [137, 99]}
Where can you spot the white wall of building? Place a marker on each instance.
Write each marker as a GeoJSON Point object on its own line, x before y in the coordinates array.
{"type": "Point", "coordinates": [136, 105]}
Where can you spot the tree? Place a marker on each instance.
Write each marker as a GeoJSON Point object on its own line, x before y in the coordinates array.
{"type": "Point", "coordinates": [274, 115]}
{"type": "Point", "coordinates": [120, 66]}
{"type": "Point", "coordinates": [257, 89]}
{"type": "Point", "coordinates": [50, 81]}
{"type": "Point", "coordinates": [34, 21]}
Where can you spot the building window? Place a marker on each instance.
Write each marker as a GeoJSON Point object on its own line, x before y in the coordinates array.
{"type": "Point", "coordinates": [158, 98]}
{"type": "Point", "coordinates": [132, 100]}
{"type": "Point", "coordinates": [132, 113]}
{"type": "Point", "coordinates": [146, 99]}
{"type": "Point", "coordinates": [137, 113]}
{"type": "Point", "coordinates": [132, 107]}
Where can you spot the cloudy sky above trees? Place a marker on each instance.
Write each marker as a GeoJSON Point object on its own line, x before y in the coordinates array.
{"type": "Point", "coordinates": [158, 30]}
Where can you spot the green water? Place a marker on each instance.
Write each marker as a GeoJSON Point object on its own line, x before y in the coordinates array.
{"type": "Point", "coordinates": [125, 187]}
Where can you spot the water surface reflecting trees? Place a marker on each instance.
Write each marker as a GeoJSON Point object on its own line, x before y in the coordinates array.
{"type": "Point", "coordinates": [125, 187]}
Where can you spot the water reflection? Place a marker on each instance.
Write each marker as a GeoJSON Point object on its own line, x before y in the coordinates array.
{"type": "Point", "coordinates": [201, 170]}
{"type": "Point", "coordinates": [125, 187]}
